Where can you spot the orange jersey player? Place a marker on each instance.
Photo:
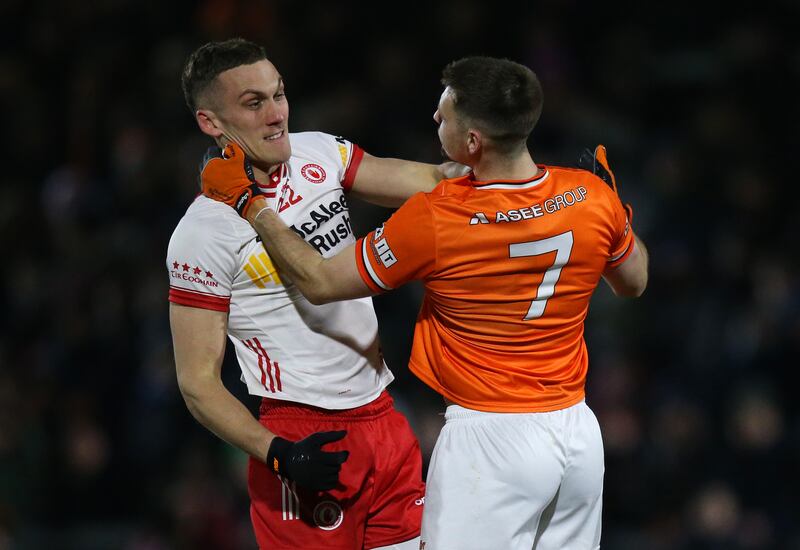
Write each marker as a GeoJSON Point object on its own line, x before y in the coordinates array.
{"type": "Point", "coordinates": [510, 255]}
{"type": "Point", "coordinates": [509, 267]}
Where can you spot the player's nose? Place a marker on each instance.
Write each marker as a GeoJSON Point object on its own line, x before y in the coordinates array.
{"type": "Point", "coordinates": [274, 116]}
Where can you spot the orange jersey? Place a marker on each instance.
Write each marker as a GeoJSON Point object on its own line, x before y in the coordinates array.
{"type": "Point", "coordinates": [509, 268]}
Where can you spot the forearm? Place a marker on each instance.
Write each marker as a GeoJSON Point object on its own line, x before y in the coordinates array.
{"type": "Point", "coordinates": [320, 280]}
{"type": "Point", "coordinates": [630, 278]}
{"type": "Point", "coordinates": [219, 411]}
{"type": "Point", "coordinates": [404, 178]}
{"type": "Point", "coordinates": [295, 258]}
{"type": "Point", "coordinates": [390, 182]}
{"type": "Point", "coordinates": [639, 243]}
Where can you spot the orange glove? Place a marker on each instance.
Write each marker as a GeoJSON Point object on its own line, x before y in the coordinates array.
{"type": "Point", "coordinates": [597, 163]}
{"type": "Point", "coordinates": [227, 176]}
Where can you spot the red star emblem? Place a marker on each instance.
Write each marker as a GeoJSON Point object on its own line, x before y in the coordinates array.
{"type": "Point", "coordinates": [209, 275]}
{"type": "Point", "coordinates": [197, 270]}
{"type": "Point", "coordinates": [186, 267]}
{"type": "Point", "coordinates": [175, 265]}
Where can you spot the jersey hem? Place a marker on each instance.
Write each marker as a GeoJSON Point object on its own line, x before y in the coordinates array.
{"type": "Point", "coordinates": [338, 407]}
{"type": "Point", "coordinates": [433, 384]}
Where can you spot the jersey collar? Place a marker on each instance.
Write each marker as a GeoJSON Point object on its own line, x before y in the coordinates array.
{"type": "Point", "coordinates": [275, 178]}
{"type": "Point", "coordinates": [540, 177]}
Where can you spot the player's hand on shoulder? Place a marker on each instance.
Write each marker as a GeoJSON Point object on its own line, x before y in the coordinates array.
{"type": "Point", "coordinates": [305, 462]}
{"type": "Point", "coordinates": [227, 176]}
{"type": "Point", "coordinates": [452, 169]}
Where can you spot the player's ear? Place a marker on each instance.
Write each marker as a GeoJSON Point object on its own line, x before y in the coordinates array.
{"type": "Point", "coordinates": [208, 122]}
{"type": "Point", "coordinates": [474, 141]}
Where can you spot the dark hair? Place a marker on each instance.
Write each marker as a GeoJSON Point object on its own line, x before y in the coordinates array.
{"type": "Point", "coordinates": [209, 60]}
{"type": "Point", "coordinates": [502, 98]}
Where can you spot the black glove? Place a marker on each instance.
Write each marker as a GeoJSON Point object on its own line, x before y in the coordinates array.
{"type": "Point", "coordinates": [596, 162]}
{"type": "Point", "coordinates": [305, 462]}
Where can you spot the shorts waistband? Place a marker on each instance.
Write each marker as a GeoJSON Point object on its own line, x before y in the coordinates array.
{"type": "Point", "coordinates": [457, 412]}
{"type": "Point", "coordinates": [279, 408]}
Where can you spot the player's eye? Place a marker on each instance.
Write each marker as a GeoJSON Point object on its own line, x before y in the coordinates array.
{"type": "Point", "coordinates": [280, 95]}
{"type": "Point", "coordinates": [254, 104]}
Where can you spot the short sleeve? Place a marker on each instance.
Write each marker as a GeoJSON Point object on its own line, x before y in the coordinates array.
{"type": "Point", "coordinates": [350, 155]}
{"type": "Point", "coordinates": [201, 262]}
{"type": "Point", "coordinates": [622, 245]}
{"type": "Point", "coordinates": [334, 152]}
{"type": "Point", "coordinates": [401, 250]}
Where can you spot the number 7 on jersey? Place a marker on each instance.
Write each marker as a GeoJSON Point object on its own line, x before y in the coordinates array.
{"type": "Point", "coordinates": [562, 246]}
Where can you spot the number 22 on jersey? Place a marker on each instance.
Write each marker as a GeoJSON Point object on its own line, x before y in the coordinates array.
{"type": "Point", "coordinates": [560, 244]}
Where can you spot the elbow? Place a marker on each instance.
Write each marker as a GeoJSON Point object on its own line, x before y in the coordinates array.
{"type": "Point", "coordinates": [318, 295]}
{"type": "Point", "coordinates": [317, 289]}
{"type": "Point", "coordinates": [190, 397]}
{"type": "Point", "coordinates": [192, 404]}
{"type": "Point", "coordinates": [192, 391]}
{"type": "Point", "coordinates": [316, 299]}
{"type": "Point", "coordinates": [634, 289]}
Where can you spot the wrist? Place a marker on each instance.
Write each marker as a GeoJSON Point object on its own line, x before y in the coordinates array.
{"type": "Point", "coordinates": [256, 207]}
{"type": "Point", "coordinates": [276, 454]}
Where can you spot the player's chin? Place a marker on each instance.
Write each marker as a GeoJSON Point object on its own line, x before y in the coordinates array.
{"type": "Point", "coordinates": [275, 153]}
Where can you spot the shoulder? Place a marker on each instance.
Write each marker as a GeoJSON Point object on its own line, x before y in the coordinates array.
{"type": "Point", "coordinates": [449, 191]}
{"type": "Point", "coordinates": [309, 144]}
{"type": "Point", "coordinates": [578, 176]}
{"type": "Point", "coordinates": [573, 178]}
{"type": "Point", "coordinates": [207, 220]}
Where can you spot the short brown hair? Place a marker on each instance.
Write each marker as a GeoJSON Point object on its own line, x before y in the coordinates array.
{"type": "Point", "coordinates": [209, 60]}
{"type": "Point", "coordinates": [502, 98]}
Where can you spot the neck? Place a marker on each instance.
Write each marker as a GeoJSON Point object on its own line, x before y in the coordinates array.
{"type": "Point", "coordinates": [262, 173]}
{"type": "Point", "coordinates": [518, 166]}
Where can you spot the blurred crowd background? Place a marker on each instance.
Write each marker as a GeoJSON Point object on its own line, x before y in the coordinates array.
{"type": "Point", "coordinates": [693, 383]}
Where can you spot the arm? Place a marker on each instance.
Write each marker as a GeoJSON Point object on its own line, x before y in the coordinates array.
{"type": "Point", "coordinates": [198, 336]}
{"type": "Point", "coordinates": [319, 279]}
{"type": "Point", "coordinates": [629, 279]}
{"type": "Point", "coordinates": [389, 182]}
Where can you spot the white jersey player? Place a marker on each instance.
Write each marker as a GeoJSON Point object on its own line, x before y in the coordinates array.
{"type": "Point", "coordinates": [318, 369]}
{"type": "Point", "coordinates": [326, 356]}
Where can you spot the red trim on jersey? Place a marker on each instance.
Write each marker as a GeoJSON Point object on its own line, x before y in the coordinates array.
{"type": "Point", "coordinates": [255, 346]}
{"type": "Point", "coordinates": [274, 179]}
{"type": "Point", "coordinates": [263, 352]}
{"type": "Point", "coordinates": [278, 376]}
{"type": "Point", "coordinates": [196, 298]}
{"type": "Point", "coordinates": [252, 348]}
{"type": "Point", "coordinates": [352, 167]}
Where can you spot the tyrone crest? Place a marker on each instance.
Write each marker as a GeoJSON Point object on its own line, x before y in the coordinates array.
{"type": "Point", "coordinates": [328, 515]}
{"type": "Point", "coordinates": [313, 173]}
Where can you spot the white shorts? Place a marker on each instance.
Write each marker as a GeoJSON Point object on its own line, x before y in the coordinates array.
{"type": "Point", "coordinates": [515, 481]}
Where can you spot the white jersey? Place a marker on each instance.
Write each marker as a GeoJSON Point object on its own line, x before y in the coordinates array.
{"type": "Point", "coordinates": [327, 356]}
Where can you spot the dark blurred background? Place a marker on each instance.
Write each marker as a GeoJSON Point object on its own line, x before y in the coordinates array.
{"type": "Point", "coordinates": [692, 383]}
